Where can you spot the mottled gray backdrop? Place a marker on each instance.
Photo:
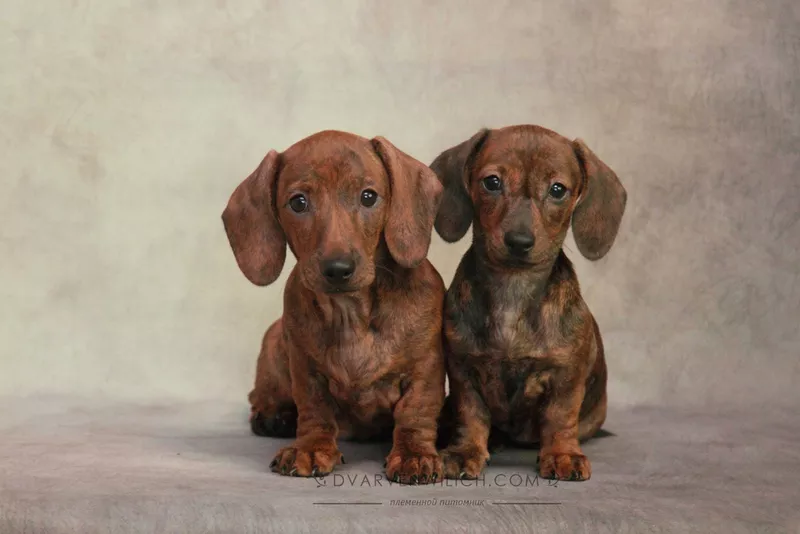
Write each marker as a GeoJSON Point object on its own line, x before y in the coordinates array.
{"type": "Point", "coordinates": [125, 126]}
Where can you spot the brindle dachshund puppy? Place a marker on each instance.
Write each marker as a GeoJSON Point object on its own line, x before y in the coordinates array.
{"type": "Point", "coordinates": [358, 351]}
{"type": "Point", "coordinates": [524, 355]}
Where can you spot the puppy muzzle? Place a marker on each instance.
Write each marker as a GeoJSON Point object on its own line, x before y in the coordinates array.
{"type": "Point", "coordinates": [519, 244]}
{"type": "Point", "coordinates": [338, 273]}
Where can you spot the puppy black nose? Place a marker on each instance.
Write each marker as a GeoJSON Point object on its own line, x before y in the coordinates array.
{"type": "Point", "coordinates": [519, 243]}
{"type": "Point", "coordinates": [338, 270]}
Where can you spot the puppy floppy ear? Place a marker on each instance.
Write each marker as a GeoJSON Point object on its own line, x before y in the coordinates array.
{"type": "Point", "coordinates": [598, 214]}
{"type": "Point", "coordinates": [250, 220]}
{"type": "Point", "coordinates": [416, 194]}
{"type": "Point", "coordinates": [452, 167]}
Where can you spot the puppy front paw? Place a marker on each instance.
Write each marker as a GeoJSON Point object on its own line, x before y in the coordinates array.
{"type": "Point", "coordinates": [464, 462]}
{"type": "Point", "coordinates": [407, 467]}
{"type": "Point", "coordinates": [564, 466]}
{"type": "Point", "coordinates": [300, 460]}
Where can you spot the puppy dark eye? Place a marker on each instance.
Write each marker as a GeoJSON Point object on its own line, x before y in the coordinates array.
{"type": "Point", "coordinates": [368, 198]}
{"type": "Point", "coordinates": [298, 203]}
{"type": "Point", "coordinates": [492, 183]}
{"type": "Point", "coordinates": [557, 191]}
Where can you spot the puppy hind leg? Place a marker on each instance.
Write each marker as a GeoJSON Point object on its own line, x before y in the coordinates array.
{"type": "Point", "coordinates": [595, 400]}
{"type": "Point", "coordinates": [272, 410]}
{"type": "Point", "coordinates": [591, 422]}
{"type": "Point", "coordinates": [282, 424]}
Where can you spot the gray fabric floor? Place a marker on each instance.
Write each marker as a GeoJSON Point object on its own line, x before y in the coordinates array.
{"type": "Point", "coordinates": [68, 466]}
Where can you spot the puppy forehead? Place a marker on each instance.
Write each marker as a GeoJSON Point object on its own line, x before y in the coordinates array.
{"type": "Point", "coordinates": [529, 150]}
{"type": "Point", "coordinates": [334, 157]}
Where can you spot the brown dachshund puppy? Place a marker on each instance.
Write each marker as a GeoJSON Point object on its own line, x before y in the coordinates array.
{"type": "Point", "coordinates": [524, 355]}
{"type": "Point", "coordinates": [358, 351]}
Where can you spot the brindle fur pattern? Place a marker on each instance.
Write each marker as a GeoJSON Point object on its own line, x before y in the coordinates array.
{"type": "Point", "coordinates": [525, 359]}
{"type": "Point", "coordinates": [360, 360]}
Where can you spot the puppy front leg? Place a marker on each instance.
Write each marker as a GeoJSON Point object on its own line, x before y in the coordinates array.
{"type": "Point", "coordinates": [314, 452]}
{"type": "Point", "coordinates": [560, 455]}
{"type": "Point", "coordinates": [467, 456]}
{"type": "Point", "coordinates": [413, 458]}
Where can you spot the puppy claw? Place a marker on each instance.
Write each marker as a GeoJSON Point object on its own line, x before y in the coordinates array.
{"type": "Point", "coordinates": [566, 467]}
{"type": "Point", "coordinates": [303, 462]}
{"type": "Point", "coordinates": [465, 462]}
{"type": "Point", "coordinates": [406, 467]}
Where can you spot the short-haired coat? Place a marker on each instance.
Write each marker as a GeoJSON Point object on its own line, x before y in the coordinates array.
{"type": "Point", "coordinates": [358, 350]}
{"type": "Point", "coordinates": [524, 354]}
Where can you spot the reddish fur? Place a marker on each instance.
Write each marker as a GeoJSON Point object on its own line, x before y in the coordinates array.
{"type": "Point", "coordinates": [524, 355]}
{"type": "Point", "coordinates": [357, 364]}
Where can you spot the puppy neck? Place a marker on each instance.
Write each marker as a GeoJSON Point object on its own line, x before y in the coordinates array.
{"type": "Point", "coordinates": [349, 316]}
{"type": "Point", "coordinates": [530, 282]}
{"type": "Point", "coordinates": [346, 316]}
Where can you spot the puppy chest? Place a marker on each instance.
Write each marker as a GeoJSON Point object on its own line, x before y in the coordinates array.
{"type": "Point", "coordinates": [364, 403]}
{"type": "Point", "coordinates": [513, 390]}
{"type": "Point", "coordinates": [512, 335]}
